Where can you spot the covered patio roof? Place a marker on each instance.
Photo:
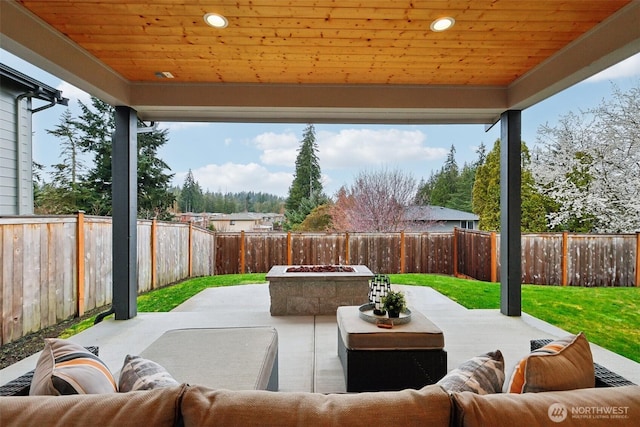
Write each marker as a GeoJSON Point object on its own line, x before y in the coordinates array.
{"type": "Point", "coordinates": [319, 61]}
{"type": "Point", "coordinates": [322, 61]}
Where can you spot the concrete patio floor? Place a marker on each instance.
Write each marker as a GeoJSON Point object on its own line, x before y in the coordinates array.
{"type": "Point", "coordinates": [308, 359]}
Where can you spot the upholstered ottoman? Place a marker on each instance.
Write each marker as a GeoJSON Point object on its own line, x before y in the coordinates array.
{"type": "Point", "coordinates": [229, 358]}
{"type": "Point", "coordinates": [375, 359]}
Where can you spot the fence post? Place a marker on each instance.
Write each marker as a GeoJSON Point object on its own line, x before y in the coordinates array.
{"type": "Point", "coordinates": [402, 252]}
{"type": "Point", "coordinates": [80, 259]}
{"type": "Point", "coordinates": [455, 251]}
{"type": "Point", "coordinates": [565, 258]}
{"type": "Point", "coordinates": [190, 249]}
{"type": "Point", "coordinates": [242, 266]}
{"type": "Point", "coordinates": [494, 257]}
{"type": "Point", "coordinates": [289, 248]}
{"type": "Point", "coordinates": [214, 246]}
{"type": "Point", "coordinates": [346, 249]}
{"type": "Point", "coordinates": [637, 258]}
{"type": "Point", "coordinates": [154, 248]}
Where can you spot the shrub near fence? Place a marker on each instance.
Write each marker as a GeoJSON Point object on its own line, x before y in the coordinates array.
{"type": "Point", "coordinates": [43, 280]}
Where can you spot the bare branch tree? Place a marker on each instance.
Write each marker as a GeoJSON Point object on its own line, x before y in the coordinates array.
{"type": "Point", "coordinates": [375, 202]}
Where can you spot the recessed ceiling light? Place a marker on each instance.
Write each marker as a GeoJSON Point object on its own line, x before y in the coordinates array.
{"type": "Point", "coordinates": [164, 75]}
{"type": "Point", "coordinates": [216, 20]}
{"type": "Point", "coordinates": [442, 24]}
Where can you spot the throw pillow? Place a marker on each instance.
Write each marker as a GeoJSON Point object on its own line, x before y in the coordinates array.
{"type": "Point", "coordinates": [564, 364]}
{"type": "Point", "coordinates": [143, 374]}
{"type": "Point", "coordinates": [482, 374]}
{"type": "Point", "coordinates": [68, 368]}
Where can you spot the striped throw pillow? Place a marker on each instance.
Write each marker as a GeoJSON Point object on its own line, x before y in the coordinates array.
{"type": "Point", "coordinates": [143, 374]}
{"type": "Point", "coordinates": [68, 368]}
{"type": "Point", "coordinates": [482, 374]}
{"type": "Point", "coordinates": [564, 364]}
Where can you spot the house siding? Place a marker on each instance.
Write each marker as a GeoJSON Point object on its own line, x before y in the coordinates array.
{"type": "Point", "coordinates": [11, 150]}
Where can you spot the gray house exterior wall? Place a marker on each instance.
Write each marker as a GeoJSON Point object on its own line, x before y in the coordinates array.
{"type": "Point", "coordinates": [17, 92]}
{"type": "Point", "coordinates": [16, 189]}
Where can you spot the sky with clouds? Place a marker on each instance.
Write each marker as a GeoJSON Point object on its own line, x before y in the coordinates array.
{"type": "Point", "coordinates": [232, 157]}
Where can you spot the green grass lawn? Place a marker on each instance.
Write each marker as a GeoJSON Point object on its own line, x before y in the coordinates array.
{"type": "Point", "coordinates": [609, 317]}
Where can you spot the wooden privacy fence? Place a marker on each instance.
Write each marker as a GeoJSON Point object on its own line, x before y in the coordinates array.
{"type": "Point", "coordinates": [53, 268]}
{"type": "Point", "coordinates": [381, 252]}
{"type": "Point", "coordinates": [554, 258]}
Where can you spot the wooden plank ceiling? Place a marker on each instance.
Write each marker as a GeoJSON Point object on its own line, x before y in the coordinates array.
{"type": "Point", "coordinates": [357, 42]}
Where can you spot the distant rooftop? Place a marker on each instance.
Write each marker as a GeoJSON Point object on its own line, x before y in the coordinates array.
{"type": "Point", "coordinates": [439, 213]}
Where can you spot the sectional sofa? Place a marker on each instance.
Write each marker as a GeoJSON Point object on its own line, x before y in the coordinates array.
{"type": "Point", "coordinates": [553, 385]}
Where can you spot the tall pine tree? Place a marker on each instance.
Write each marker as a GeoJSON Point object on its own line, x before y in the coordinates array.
{"type": "Point", "coordinates": [305, 192]}
{"type": "Point", "coordinates": [154, 199]}
{"type": "Point", "coordinates": [191, 197]}
{"type": "Point", "coordinates": [446, 183]}
{"type": "Point", "coordinates": [97, 125]}
{"type": "Point", "coordinates": [65, 194]}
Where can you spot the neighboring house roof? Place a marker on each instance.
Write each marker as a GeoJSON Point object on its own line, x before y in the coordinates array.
{"type": "Point", "coordinates": [438, 213]}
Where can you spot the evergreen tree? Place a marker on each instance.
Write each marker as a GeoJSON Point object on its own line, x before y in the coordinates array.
{"type": "Point", "coordinates": [319, 219]}
{"type": "Point", "coordinates": [64, 195]}
{"type": "Point", "coordinates": [461, 197]}
{"type": "Point", "coordinates": [191, 197]}
{"type": "Point", "coordinates": [306, 181]}
{"type": "Point", "coordinates": [307, 206]}
{"type": "Point", "coordinates": [451, 187]}
{"type": "Point", "coordinates": [96, 126]}
{"type": "Point", "coordinates": [72, 165]}
{"type": "Point", "coordinates": [154, 199]}
{"type": "Point", "coordinates": [446, 181]}
{"type": "Point", "coordinates": [486, 194]}
{"type": "Point", "coordinates": [486, 191]}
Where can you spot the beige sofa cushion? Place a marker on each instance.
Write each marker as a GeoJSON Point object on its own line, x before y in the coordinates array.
{"type": "Point", "coordinates": [564, 364]}
{"type": "Point", "coordinates": [230, 358]}
{"type": "Point", "coordinates": [158, 408]}
{"type": "Point", "coordinates": [429, 406]}
{"type": "Point", "coordinates": [615, 406]}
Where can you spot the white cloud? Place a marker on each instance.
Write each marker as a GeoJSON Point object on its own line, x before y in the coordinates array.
{"type": "Point", "coordinates": [357, 148]}
{"type": "Point", "coordinates": [350, 148]}
{"type": "Point", "coordinates": [73, 93]}
{"type": "Point", "coordinates": [234, 177]}
{"type": "Point", "coordinates": [278, 148]}
{"type": "Point", "coordinates": [630, 67]}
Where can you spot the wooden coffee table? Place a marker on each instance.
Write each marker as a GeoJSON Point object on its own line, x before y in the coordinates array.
{"type": "Point", "coordinates": [375, 359]}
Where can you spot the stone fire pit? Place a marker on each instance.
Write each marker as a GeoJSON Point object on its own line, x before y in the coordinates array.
{"type": "Point", "coordinates": [311, 290]}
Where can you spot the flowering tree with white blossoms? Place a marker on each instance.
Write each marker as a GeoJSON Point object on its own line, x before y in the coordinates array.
{"type": "Point", "coordinates": [589, 166]}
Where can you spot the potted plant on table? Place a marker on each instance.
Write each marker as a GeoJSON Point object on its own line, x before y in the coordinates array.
{"type": "Point", "coordinates": [395, 303]}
